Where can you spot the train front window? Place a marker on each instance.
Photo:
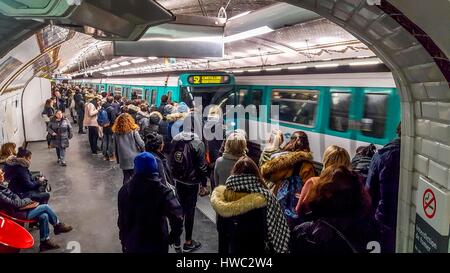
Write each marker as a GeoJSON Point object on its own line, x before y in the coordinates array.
{"type": "Point", "coordinates": [218, 95]}
{"type": "Point", "coordinates": [339, 111]}
{"type": "Point", "coordinates": [296, 106]}
{"type": "Point", "coordinates": [374, 119]}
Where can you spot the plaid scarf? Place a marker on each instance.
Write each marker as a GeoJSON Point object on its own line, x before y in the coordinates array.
{"type": "Point", "coordinates": [277, 227]}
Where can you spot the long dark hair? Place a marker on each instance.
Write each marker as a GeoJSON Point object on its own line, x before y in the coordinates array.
{"type": "Point", "coordinates": [298, 142]}
{"type": "Point", "coordinates": [340, 193]}
{"type": "Point", "coordinates": [246, 165]}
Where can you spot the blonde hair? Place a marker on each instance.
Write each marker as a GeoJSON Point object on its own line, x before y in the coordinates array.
{"type": "Point", "coordinates": [8, 149]}
{"type": "Point", "coordinates": [275, 141]}
{"type": "Point", "coordinates": [214, 110]}
{"type": "Point", "coordinates": [124, 124]}
{"type": "Point", "coordinates": [336, 156]}
{"type": "Point", "coordinates": [236, 144]}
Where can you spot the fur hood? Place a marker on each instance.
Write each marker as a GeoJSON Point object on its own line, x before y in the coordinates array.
{"type": "Point", "coordinates": [176, 116]}
{"type": "Point", "coordinates": [283, 162]}
{"type": "Point", "coordinates": [228, 203]}
{"type": "Point", "coordinates": [14, 161]}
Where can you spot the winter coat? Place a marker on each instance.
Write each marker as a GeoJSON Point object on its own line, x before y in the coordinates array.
{"type": "Point", "coordinates": [49, 111]}
{"type": "Point", "coordinates": [241, 221]}
{"type": "Point", "coordinates": [112, 115]}
{"type": "Point", "coordinates": [144, 206]}
{"type": "Point", "coordinates": [382, 183]}
{"type": "Point", "coordinates": [200, 173]}
{"type": "Point", "coordinates": [128, 145]}
{"type": "Point", "coordinates": [90, 115]}
{"type": "Point", "coordinates": [161, 108]}
{"type": "Point", "coordinates": [266, 155]}
{"type": "Point", "coordinates": [321, 235]}
{"type": "Point", "coordinates": [79, 101]}
{"type": "Point", "coordinates": [280, 167]}
{"type": "Point", "coordinates": [163, 168]}
{"type": "Point", "coordinates": [63, 131]}
{"type": "Point", "coordinates": [11, 203]}
{"type": "Point", "coordinates": [21, 182]}
{"type": "Point", "coordinates": [223, 167]}
{"type": "Point", "coordinates": [175, 124]}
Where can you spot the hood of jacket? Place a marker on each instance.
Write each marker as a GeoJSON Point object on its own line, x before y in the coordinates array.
{"type": "Point", "coordinates": [186, 136]}
{"type": "Point", "coordinates": [176, 116]}
{"type": "Point", "coordinates": [393, 145]}
{"type": "Point", "coordinates": [16, 161]}
{"type": "Point", "coordinates": [228, 203]}
{"type": "Point", "coordinates": [141, 114]}
{"type": "Point", "coordinates": [154, 119]}
{"type": "Point", "coordinates": [275, 166]}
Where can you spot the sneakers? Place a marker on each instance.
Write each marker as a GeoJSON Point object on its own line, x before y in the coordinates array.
{"type": "Point", "coordinates": [193, 246]}
{"type": "Point", "coordinates": [178, 249]}
{"type": "Point", "coordinates": [48, 245]}
{"type": "Point", "coordinates": [63, 163]}
{"type": "Point", "coordinates": [112, 158]}
{"type": "Point", "coordinates": [59, 160]}
{"type": "Point", "coordinates": [61, 228]}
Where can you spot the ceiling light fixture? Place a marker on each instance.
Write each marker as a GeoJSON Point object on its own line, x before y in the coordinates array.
{"type": "Point", "coordinates": [152, 58]}
{"type": "Point", "coordinates": [326, 65]}
{"type": "Point", "coordinates": [253, 70]}
{"type": "Point", "coordinates": [115, 66]}
{"type": "Point", "coordinates": [125, 63]}
{"type": "Point", "coordinates": [239, 15]}
{"type": "Point", "coordinates": [297, 67]}
{"type": "Point", "coordinates": [247, 34]}
{"type": "Point", "coordinates": [273, 69]}
{"type": "Point", "coordinates": [364, 63]}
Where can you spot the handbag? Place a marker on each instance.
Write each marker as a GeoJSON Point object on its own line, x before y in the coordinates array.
{"type": "Point", "coordinates": [45, 118]}
{"type": "Point", "coordinates": [45, 186]}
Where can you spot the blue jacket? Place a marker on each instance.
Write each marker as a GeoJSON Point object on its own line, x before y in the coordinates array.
{"type": "Point", "coordinates": [382, 183]}
{"type": "Point", "coordinates": [20, 179]}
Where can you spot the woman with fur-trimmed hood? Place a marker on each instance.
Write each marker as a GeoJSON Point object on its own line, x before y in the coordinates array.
{"type": "Point", "coordinates": [250, 220]}
{"type": "Point", "coordinates": [280, 166]}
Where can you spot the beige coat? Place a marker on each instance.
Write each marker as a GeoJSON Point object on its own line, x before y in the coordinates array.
{"type": "Point", "coordinates": [90, 115]}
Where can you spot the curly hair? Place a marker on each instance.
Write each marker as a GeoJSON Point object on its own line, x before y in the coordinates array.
{"type": "Point", "coordinates": [298, 142]}
{"type": "Point", "coordinates": [124, 124]}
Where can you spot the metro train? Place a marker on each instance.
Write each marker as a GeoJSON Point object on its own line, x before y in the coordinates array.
{"type": "Point", "coordinates": [345, 109]}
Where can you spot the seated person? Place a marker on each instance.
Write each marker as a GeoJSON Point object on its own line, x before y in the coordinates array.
{"type": "Point", "coordinates": [20, 179]}
{"type": "Point", "coordinates": [7, 150]}
{"type": "Point", "coordinates": [25, 208]}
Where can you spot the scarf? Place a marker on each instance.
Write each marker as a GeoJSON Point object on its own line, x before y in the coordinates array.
{"type": "Point", "coordinates": [278, 230]}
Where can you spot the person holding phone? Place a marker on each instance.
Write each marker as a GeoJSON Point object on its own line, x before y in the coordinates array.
{"type": "Point", "coordinates": [25, 208]}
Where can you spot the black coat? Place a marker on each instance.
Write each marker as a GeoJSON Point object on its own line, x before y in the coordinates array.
{"type": "Point", "coordinates": [241, 222]}
{"type": "Point", "coordinates": [20, 179]}
{"type": "Point", "coordinates": [144, 207]}
{"type": "Point", "coordinates": [11, 203]}
{"type": "Point", "coordinates": [322, 235]}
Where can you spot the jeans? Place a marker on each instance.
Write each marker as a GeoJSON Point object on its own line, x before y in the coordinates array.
{"type": "Point", "coordinates": [127, 174]}
{"type": "Point", "coordinates": [61, 153]}
{"type": "Point", "coordinates": [108, 145]}
{"type": "Point", "coordinates": [93, 138]}
{"type": "Point", "coordinates": [45, 215]}
{"type": "Point", "coordinates": [80, 114]}
{"type": "Point", "coordinates": [187, 195]}
{"type": "Point", "coordinates": [48, 137]}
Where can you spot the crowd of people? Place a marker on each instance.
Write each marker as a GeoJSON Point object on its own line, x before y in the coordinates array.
{"type": "Point", "coordinates": [279, 203]}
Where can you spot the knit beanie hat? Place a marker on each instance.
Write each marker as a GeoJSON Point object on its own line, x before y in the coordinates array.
{"type": "Point", "coordinates": [145, 163]}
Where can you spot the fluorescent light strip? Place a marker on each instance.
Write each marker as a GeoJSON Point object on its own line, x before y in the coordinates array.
{"type": "Point", "coordinates": [152, 58]}
{"type": "Point", "coordinates": [239, 15]}
{"type": "Point", "coordinates": [273, 69]}
{"type": "Point", "coordinates": [297, 67]}
{"type": "Point", "coordinates": [124, 63]}
{"type": "Point", "coordinates": [115, 66]}
{"type": "Point", "coordinates": [364, 63]}
{"type": "Point", "coordinates": [326, 65]}
{"type": "Point", "coordinates": [247, 34]}
{"type": "Point", "coordinates": [253, 70]}
{"type": "Point", "coordinates": [238, 71]}
{"type": "Point", "coordinates": [139, 60]}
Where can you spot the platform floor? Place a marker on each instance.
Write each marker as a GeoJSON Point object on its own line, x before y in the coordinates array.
{"type": "Point", "coordinates": [84, 195]}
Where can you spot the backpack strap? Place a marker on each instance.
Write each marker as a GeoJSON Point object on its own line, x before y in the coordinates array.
{"type": "Point", "coordinates": [340, 234]}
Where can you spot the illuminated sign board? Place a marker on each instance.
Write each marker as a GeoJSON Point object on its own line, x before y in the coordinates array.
{"type": "Point", "coordinates": [209, 79]}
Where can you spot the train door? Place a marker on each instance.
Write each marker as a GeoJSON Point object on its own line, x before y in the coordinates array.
{"type": "Point", "coordinates": [340, 126]}
{"type": "Point", "coordinates": [378, 115]}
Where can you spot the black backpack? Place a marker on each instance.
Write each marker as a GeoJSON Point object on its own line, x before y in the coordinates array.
{"type": "Point", "coordinates": [182, 159]}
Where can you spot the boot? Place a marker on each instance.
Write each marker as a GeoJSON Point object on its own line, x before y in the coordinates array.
{"type": "Point", "coordinates": [61, 228]}
{"type": "Point", "coordinates": [48, 245]}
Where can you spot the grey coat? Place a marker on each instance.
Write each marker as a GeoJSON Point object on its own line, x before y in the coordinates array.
{"type": "Point", "coordinates": [128, 145]}
{"type": "Point", "coordinates": [63, 131]}
{"type": "Point", "coordinates": [223, 167]}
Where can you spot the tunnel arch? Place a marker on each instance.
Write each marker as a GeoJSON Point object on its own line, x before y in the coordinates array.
{"type": "Point", "coordinates": [424, 91]}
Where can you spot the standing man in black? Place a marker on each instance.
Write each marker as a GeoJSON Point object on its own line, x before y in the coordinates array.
{"type": "Point", "coordinates": [79, 107]}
